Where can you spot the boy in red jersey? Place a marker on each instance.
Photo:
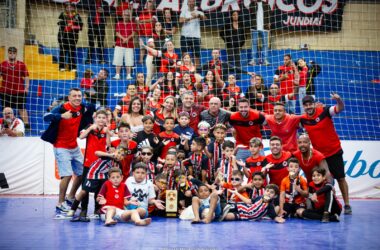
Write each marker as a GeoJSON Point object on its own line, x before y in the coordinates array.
{"type": "Point", "coordinates": [168, 137]}
{"type": "Point", "coordinates": [293, 191]}
{"type": "Point", "coordinates": [326, 206]}
{"type": "Point", "coordinates": [319, 125]}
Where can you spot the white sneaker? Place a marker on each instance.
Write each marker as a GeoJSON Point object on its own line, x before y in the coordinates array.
{"type": "Point", "coordinates": [266, 62]}
{"type": "Point", "coordinates": [74, 70]}
{"type": "Point", "coordinates": [116, 77]}
{"type": "Point", "coordinates": [129, 77]}
{"type": "Point", "coordinates": [252, 62]}
{"type": "Point", "coordinates": [62, 69]}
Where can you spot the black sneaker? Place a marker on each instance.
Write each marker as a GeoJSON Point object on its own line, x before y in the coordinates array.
{"type": "Point", "coordinates": [326, 217]}
{"type": "Point", "coordinates": [334, 218]}
{"type": "Point", "coordinates": [347, 209]}
{"type": "Point", "coordinates": [226, 210]}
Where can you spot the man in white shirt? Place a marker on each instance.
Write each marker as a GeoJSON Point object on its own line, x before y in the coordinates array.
{"type": "Point", "coordinates": [10, 125]}
{"type": "Point", "coordinates": [191, 30]}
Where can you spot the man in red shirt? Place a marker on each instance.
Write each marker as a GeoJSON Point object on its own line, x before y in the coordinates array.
{"type": "Point", "coordinates": [246, 123]}
{"type": "Point", "coordinates": [284, 126]}
{"type": "Point", "coordinates": [15, 84]}
{"type": "Point", "coordinates": [319, 125]}
{"type": "Point", "coordinates": [194, 110]}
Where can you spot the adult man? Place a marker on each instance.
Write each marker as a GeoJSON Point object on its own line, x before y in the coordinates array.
{"type": "Point", "coordinates": [66, 121]}
{"type": "Point", "coordinates": [10, 125]}
{"type": "Point", "coordinates": [246, 123]}
{"type": "Point", "coordinates": [191, 30]}
{"type": "Point", "coordinates": [319, 125]}
{"type": "Point", "coordinates": [224, 69]}
{"type": "Point", "coordinates": [287, 76]}
{"type": "Point", "coordinates": [214, 114]}
{"type": "Point", "coordinates": [15, 85]}
{"type": "Point", "coordinates": [193, 109]}
{"type": "Point", "coordinates": [100, 87]}
{"type": "Point", "coordinates": [284, 126]}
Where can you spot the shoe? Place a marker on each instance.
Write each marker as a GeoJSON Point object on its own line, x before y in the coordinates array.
{"type": "Point", "coordinates": [326, 217]}
{"type": "Point", "coordinates": [266, 63]}
{"type": "Point", "coordinates": [252, 63]}
{"type": "Point", "coordinates": [62, 69]}
{"type": "Point", "coordinates": [116, 77]}
{"type": "Point", "coordinates": [69, 202]}
{"type": "Point", "coordinates": [61, 209]}
{"type": "Point", "coordinates": [70, 213]}
{"type": "Point", "coordinates": [80, 219]}
{"type": "Point", "coordinates": [129, 77]}
{"type": "Point", "coordinates": [226, 210]}
{"type": "Point", "coordinates": [335, 218]}
{"type": "Point", "coordinates": [73, 70]}
{"type": "Point", "coordinates": [347, 209]}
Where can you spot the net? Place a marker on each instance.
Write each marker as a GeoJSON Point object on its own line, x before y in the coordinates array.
{"type": "Point", "coordinates": [338, 41]}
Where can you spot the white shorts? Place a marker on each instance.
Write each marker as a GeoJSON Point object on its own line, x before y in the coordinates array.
{"type": "Point", "coordinates": [117, 215]}
{"type": "Point", "coordinates": [127, 53]}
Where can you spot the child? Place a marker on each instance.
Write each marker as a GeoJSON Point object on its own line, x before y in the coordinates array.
{"type": "Point", "coordinates": [257, 186]}
{"type": "Point", "coordinates": [97, 139]}
{"type": "Point", "coordinates": [253, 209]}
{"type": "Point", "coordinates": [227, 164]}
{"type": "Point", "coordinates": [160, 184]}
{"type": "Point", "coordinates": [146, 153]}
{"type": "Point", "coordinates": [204, 131]}
{"type": "Point", "coordinates": [214, 148]}
{"type": "Point", "coordinates": [236, 184]}
{"type": "Point", "coordinates": [170, 169]}
{"type": "Point", "coordinates": [147, 137]}
{"type": "Point", "coordinates": [113, 196]}
{"type": "Point", "coordinates": [206, 205]}
{"type": "Point", "coordinates": [293, 191]}
{"type": "Point", "coordinates": [168, 137]}
{"type": "Point", "coordinates": [198, 164]}
{"type": "Point", "coordinates": [326, 206]}
{"type": "Point", "coordinates": [87, 82]}
{"type": "Point", "coordinates": [181, 155]}
{"type": "Point", "coordinates": [186, 190]}
{"type": "Point", "coordinates": [185, 132]}
{"type": "Point", "coordinates": [143, 193]}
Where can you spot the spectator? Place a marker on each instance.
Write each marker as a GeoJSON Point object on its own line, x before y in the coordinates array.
{"type": "Point", "coordinates": [187, 66]}
{"type": "Point", "coordinates": [154, 102]}
{"type": "Point", "coordinates": [70, 23]}
{"type": "Point", "coordinates": [194, 110]}
{"type": "Point", "coordinates": [124, 47]}
{"type": "Point", "coordinates": [275, 97]}
{"type": "Point", "coordinates": [191, 30]}
{"type": "Point", "coordinates": [142, 89]}
{"type": "Point", "coordinates": [123, 104]}
{"type": "Point", "coordinates": [303, 72]}
{"type": "Point", "coordinates": [98, 10]}
{"type": "Point", "coordinates": [15, 84]}
{"type": "Point", "coordinates": [159, 36]}
{"type": "Point", "coordinates": [149, 61]}
{"type": "Point", "coordinates": [262, 28]}
{"type": "Point", "coordinates": [233, 34]}
{"type": "Point", "coordinates": [232, 90]}
{"type": "Point", "coordinates": [145, 21]}
{"type": "Point", "coordinates": [313, 70]}
{"type": "Point", "coordinates": [87, 82]}
{"type": "Point", "coordinates": [287, 76]}
{"type": "Point", "coordinates": [134, 115]}
{"type": "Point", "coordinates": [257, 92]}
{"type": "Point", "coordinates": [169, 24]}
{"type": "Point", "coordinates": [10, 125]}
{"type": "Point", "coordinates": [167, 85]}
{"type": "Point", "coordinates": [211, 87]}
{"type": "Point", "coordinates": [168, 109]}
{"type": "Point", "coordinates": [100, 89]}
{"type": "Point", "coordinates": [214, 114]}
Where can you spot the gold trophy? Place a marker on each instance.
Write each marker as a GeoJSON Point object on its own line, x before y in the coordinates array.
{"type": "Point", "coordinates": [171, 203]}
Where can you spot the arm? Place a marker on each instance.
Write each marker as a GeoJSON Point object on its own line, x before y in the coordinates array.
{"type": "Point", "coordinates": [85, 133]}
{"type": "Point", "coordinates": [282, 201]}
{"type": "Point", "coordinates": [323, 164]}
{"type": "Point", "coordinates": [339, 102]}
{"type": "Point", "coordinates": [241, 197]}
{"type": "Point", "coordinates": [27, 83]}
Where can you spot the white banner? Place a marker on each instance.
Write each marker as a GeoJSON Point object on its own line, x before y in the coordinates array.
{"type": "Point", "coordinates": [29, 166]}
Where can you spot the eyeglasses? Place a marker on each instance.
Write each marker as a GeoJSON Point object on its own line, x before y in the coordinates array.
{"type": "Point", "coordinates": [146, 153]}
{"type": "Point", "coordinates": [235, 179]}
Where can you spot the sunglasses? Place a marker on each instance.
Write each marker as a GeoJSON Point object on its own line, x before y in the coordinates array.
{"type": "Point", "coordinates": [257, 179]}
{"type": "Point", "coordinates": [235, 179]}
{"type": "Point", "coordinates": [146, 153]}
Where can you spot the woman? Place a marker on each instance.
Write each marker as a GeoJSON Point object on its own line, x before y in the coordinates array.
{"type": "Point", "coordinates": [142, 89]}
{"type": "Point", "coordinates": [154, 102]}
{"type": "Point", "coordinates": [169, 24]}
{"type": "Point", "coordinates": [134, 115]}
{"type": "Point", "coordinates": [257, 92]}
{"type": "Point", "coordinates": [303, 70]}
{"type": "Point", "coordinates": [167, 85]}
{"type": "Point", "coordinates": [233, 35]}
{"type": "Point", "coordinates": [211, 87]}
{"type": "Point", "coordinates": [186, 65]}
{"type": "Point", "coordinates": [111, 123]}
{"type": "Point", "coordinates": [168, 109]}
{"type": "Point", "coordinates": [70, 23]}
{"type": "Point", "coordinates": [168, 57]}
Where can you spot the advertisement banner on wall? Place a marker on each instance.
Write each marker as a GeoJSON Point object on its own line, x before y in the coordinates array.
{"type": "Point", "coordinates": [29, 167]}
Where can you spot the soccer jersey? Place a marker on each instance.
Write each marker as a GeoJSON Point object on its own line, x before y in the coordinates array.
{"type": "Point", "coordinates": [234, 198]}
{"type": "Point", "coordinates": [13, 77]}
{"type": "Point", "coordinates": [321, 130]}
{"type": "Point", "coordinates": [128, 155]}
{"type": "Point", "coordinates": [321, 196]}
{"type": "Point", "coordinates": [279, 171]}
{"type": "Point", "coordinates": [225, 169]}
{"type": "Point", "coordinates": [168, 62]}
{"type": "Point", "coordinates": [142, 92]}
{"type": "Point", "coordinates": [96, 141]}
{"type": "Point", "coordinates": [286, 85]}
{"type": "Point", "coordinates": [255, 165]}
{"type": "Point", "coordinates": [246, 127]}
{"type": "Point", "coordinates": [291, 195]}
{"type": "Point", "coordinates": [125, 30]}
{"type": "Point", "coordinates": [308, 164]}
{"type": "Point", "coordinates": [173, 139]}
{"type": "Point", "coordinates": [114, 195]}
{"type": "Point", "coordinates": [123, 104]}
{"type": "Point", "coordinates": [256, 210]}
{"type": "Point", "coordinates": [198, 163]}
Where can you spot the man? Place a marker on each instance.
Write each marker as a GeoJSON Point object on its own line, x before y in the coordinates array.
{"type": "Point", "coordinates": [284, 126]}
{"type": "Point", "coordinates": [246, 123]}
{"type": "Point", "coordinates": [123, 105]}
{"type": "Point", "coordinates": [275, 97]}
{"type": "Point", "coordinates": [66, 121]}
{"type": "Point", "coordinates": [15, 86]}
{"type": "Point", "coordinates": [191, 30]}
{"type": "Point", "coordinates": [214, 114]}
{"type": "Point", "coordinates": [10, 125]}
{"type": "Point", "coordinates": [287, 76]}
{"type": "Point", "coordinates": [318, 123]}
{"type": "Point", "coordinates": [193, 109]}
{"type": "Point", "coordinates": [100, 87]}
{"type": "Point", "coordinates": [224, 69]}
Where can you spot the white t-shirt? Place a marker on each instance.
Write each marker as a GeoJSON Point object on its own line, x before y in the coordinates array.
{"type": "Point", "coordinates": [193, 27]}
{"type": "Point", "coordinates": [17, 125]}
{"type": "Point", "coordinates": [260, 16]}
{"type": "Point", "coordinates": [142, 191]}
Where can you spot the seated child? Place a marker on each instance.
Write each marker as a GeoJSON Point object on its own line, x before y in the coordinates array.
{"type": "Point", "coordinates": [294, 190]}
{"type": "Point", "coordinates": [206, 206]}
{"type": "Point", "coordinates": [185, 132]}
{"type": "Point", "coordinates": [160, 184]}
{"type": "Point", "coordinates": [186, 190]}
{"type": "Point", "coordinates": [257, 185]}
{"type": "Point", "coordinates": [235, 184]}
{"type": "Point", "coordinates": [326, 206]}
{"type": "Point", "coordinates": [143, 194]}
{"type": "Point", "coordinates": [253, 209]}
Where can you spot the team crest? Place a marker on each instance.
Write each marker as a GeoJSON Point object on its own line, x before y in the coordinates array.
{"type": "Point", "coordinates": [318, 119]}
{"type": "Point", "coordinates": [117, 196]}
{"type": "Point", "coordinates": [284, 163]}
{"type": "Point", "coordinates": [250, 123]}
{"type": "Point", "coordinates": [258, 164]}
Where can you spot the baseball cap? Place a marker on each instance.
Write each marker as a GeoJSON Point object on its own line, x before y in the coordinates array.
{"type": "Point", "coordinates": [12, 49]}
{"type": "Point", "coordinates": [307, 99]}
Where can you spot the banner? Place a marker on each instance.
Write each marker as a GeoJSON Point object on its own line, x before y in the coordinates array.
{"type": "Point", "coordinates": [29, 166]}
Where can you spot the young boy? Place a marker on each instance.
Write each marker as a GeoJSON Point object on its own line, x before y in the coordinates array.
{"type": "Point", "coordinates": [168, 137]}
{"type": "Point", "coordinates": [206, 205]}
{"type": "Point", "coordinates": [113, 196]}
{"type": "Point", "coordinates": [326, 206]}
{"type": "Point", "coordinates": [170, 169]}
{"type": "Point", "coordinates": [143, 194]}
{"type": "Point", "coordinates": [185, 132]}
{"type": "Point", "coordinates": [147, 137]}
{"type": "Point", "coordinates": [160, 184]}
{"type": "Point", "coordinates": [253, 209]}
{"type": "Point", "coordinates": [214, 149]}
{"type": "Point", "coordinates": [227, 164]}
{"type": "Point", "coordinates": [146, 153]}
{"type": "Point", "coordinates": [198, 164]}
{"type": "Point", "coordinates": [186, 190]}
{"type": "Point", "coordinates": [294, 191]}
{"type": "Point", "coordinates": [235, 184]}
{"type": "Point", "coordinates": [257, 186]}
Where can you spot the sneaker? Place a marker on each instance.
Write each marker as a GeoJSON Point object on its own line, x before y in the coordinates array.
{"type": "Point", "coordinates": [226, 210]}
{"type": "Point", "coordinates": [80, 219]}
{"type": "Point", "coordinates": [129, 77]}
{"type": "Point", "coordinates": [116, 77]}
{"type": "Point", "coordinates": [266, 63]}
{"type": "Point", "coordinates": [347, 209]}
{"type": "Point", "coordinates": [326, 217]}
{"type": "Point", "coordinates": [252, 63]}
{"type": "Point", "coordinates": [94, 216]}
{"type": "Point", "coordinates": [74, 70]}
{"type": "Point", "coordinates": [61, 209]}
{"type": "Point", "coordinates": [69, 202]}
{"type": "Point", "coordinates": [62, 69]}
{"type": "Point", "coordinates": [70, 213]}
{"type": "Point", "coordinates": [334, 218]}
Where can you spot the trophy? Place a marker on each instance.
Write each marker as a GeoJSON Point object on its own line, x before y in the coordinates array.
{"type": "Point", "coordinates": [171, 203]}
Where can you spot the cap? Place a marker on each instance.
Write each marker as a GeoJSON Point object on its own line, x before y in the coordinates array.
{"type": "Point", "coordinates": [12, 49]}
{"type": "Point", "coordinates": [150, 40]}
{"type": "Point", "coordinates": [308, 98]}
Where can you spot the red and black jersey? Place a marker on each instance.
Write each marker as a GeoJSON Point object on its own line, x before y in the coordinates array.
{"type": "Point", "coordinates": [257, 192]}
{"type": "Point", "coordinates": [279, 171]}
{"type": "Point", "coordinates": [98, 170]}
{"type": "Point", "coordinates": [151, 172]}
{"type": "Point", "coordinates": [114, 195]}
{"type": "Point", "coordinates": [174, 140]}
{"type": "Point", "coordinates": [128, 153]}
{"type": "Point", "coordinates": [198, 163]}
{"type": "Point", "coordinates": [308, 164]}
{"type": "Point", "coordinates": [142, 92]}
{"type": "Point", "coordinates": [270, 101]}
{"type": "Point", "coordinates": [123, 104]}
{"type": "Point", "coordinates": [247, 127]}
{"type": "Point", "coordinates": [321, 130]}
{"type": "Point", "coordinates": [195, 115]}
{"type": "Point", "coordinates": [168, 62]}
{"type": "Point", "coordinates": [225, 168]}
{"type": "Point", "coordinates": [255, 165]}
{"type": "Point", "coordinates": [96, 141]}
{"type": "Point", "coordinates": [159, 119]}
{"type": "Point", "coordinates": [215, 148]}
{"type": "Point", "coordinates": [13, 77]}
{"type": "Point", "coordinates": [286, 85]}
{"type": "Point", "coordinates": [313, 188]}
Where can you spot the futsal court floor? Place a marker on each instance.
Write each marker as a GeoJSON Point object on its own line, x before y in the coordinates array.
{"type": "Point", "coordinates": [27, 223]}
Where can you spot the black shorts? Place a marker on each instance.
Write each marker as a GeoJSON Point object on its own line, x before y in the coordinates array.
{"type": "Point", "coordinates": [93, 186]}
{"type": "Point", "coordinates": [84, 175]}
{"type": "Point", "coordinates": [336, 165]}
{"type": "Point", "coordinates": [191, 44]}
{"type": "Point", "coordinates": [291, 208]}
{"type": "Point", "coordinates": [16, 101]}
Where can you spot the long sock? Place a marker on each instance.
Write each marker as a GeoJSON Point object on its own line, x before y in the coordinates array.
{"type": "Point", "coordinates": [75, 205]}
{"type": "Point", "coordinates": [85, 202]}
